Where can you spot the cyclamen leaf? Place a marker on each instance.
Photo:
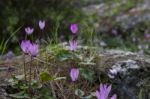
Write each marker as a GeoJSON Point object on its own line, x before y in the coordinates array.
{"type": "Point", "coordinates": [79, 92]}
{"type": "Point", "coordinates": [44, 76]}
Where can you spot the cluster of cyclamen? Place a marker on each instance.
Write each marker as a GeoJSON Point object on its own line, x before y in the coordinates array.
{"type": "Point", "coordinates": [26, 45]}
{"type": "Point", "coordinates": [104, 90]}
{"type": "Point", "coordinates": [74, 73]}
{"type": "Point", "coordinates": [29, 48]}
{"type": "Point", "coordinates": [73, 43]}
{"type": "Point", "coordinates": [30, 30]}
{"type": "Point", "coordinates": [32, 48]}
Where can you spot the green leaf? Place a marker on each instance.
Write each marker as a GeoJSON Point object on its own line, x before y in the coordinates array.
{"type": "Point", "coordinates": [88, 74]}
{"type": "Point", "coordinates": [20, 95]}
{"type": "Point", "coordinates": [45, 76]}
{"type": "Point", "coordinates": [59, 78]}
{"type": "Point", "coordinates": [140, 94]}
{"type": "Point", "coordinates": [19, 77]}
{"type": "Point", "coordinates": [89, 96]}
{"type": "Point", "coordinates": [35, 84]}
{"type": "Point", "coordinates": [64, 55]}
{"type": "Point", "coordinates": [13, 82]}
{"type": "Point", "coordinates": [79, 92]}
{"type": "Point", "coordinates": [87, 63]}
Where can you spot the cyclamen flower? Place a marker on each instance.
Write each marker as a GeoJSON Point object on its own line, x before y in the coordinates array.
{"type": "Point", "coordinates": [103, 92]}
{"type": "Point", "coordinates": [147, 36]}
{"type": "Point", "coordinates": [25, 44]}
{"type": "Point", "coordinates": [112, 73]}
{"type": "Point", "coordinates": [72, 45]}
{"type": "Point", "coordinates": [114, 96]}
{"type": "Point", "coordinates": [74, 73]}
{"type": "Point", "coordinates": [29, 30]}
{"type": "Point", "coordinates": [41, 24]}
{"type": "Point", "coordinates": [34, 48]}
{"type": "Point", "coordinates": [74, 28]}
{"type": "Point", "coordinates": [114, 32]}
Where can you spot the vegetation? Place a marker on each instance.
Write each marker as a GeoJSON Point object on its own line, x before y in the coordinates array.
{"type": "Point", "coordinates": [59, 43]}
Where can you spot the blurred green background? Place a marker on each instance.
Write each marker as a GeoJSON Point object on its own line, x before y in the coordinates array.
{"type": "Point", "coordinates": [122, 24]}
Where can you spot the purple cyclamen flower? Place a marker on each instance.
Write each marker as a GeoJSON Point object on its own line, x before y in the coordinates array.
{"type": "Point", "coordinates": [74, 73]}
{"type": "Point", "coordinates": [72, 45]}
{"type": "Point", "coordinates": [112, 73]}
{"type": "Point", "coordinates": [25, 44]}
{"type": "Point", "coordinates": [103, 92]}
{"type": "Point", "coordinates": [74, 28]}
{"type": "Point", "coordinates": [29, 30]}
{"type": "Point", "coordinates": [147, 35]}
{"type": "Point", "coordinates": [41, 24]}
{"type": "Point", "coordinates": [114, 96]}
{"type": "Point", "coordinates": [114, 32]}
{"type": "Point", "coordinates": [34, 48]}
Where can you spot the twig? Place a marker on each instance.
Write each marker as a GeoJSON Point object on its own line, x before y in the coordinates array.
{"type": "Point", "coordinates": [53, 90]}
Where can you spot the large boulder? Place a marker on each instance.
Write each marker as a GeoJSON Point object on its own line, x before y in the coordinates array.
{"type": "Point", "coordinates": [129, 72]}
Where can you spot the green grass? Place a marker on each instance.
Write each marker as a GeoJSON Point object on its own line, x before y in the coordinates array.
{"type": "Point", "coordinates": [4, 43]}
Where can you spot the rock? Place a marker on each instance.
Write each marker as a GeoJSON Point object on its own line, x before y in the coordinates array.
{"type": "Point", "coordinates": [129, 73]}
{"type": "Point", "coordinates": [3, 93]}
{"type": "Point", "coordinates": [8, 56]}
{"type": "Point", "coordinates": [113, 12]}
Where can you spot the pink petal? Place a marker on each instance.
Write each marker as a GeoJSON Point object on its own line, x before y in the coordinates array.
{"type": "Point", "coordinates": [114, 96]}
{"type": "Point", "coordinates": [109, 88]}
{"type": "Point", "coordinates": [98, 95]}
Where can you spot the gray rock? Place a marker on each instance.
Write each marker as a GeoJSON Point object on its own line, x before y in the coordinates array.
{"type": "Point", "coordinates": [126, 19]}
{"type": "Point", "coordinates": [129, 72]}
{"type": "Point", "coordinates": [8, 56]}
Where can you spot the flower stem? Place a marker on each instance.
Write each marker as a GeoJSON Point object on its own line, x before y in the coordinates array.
{"type": "Point", "coordinates": [30, 74]}
{"type": "Point", "coordinates": [24, 69]}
